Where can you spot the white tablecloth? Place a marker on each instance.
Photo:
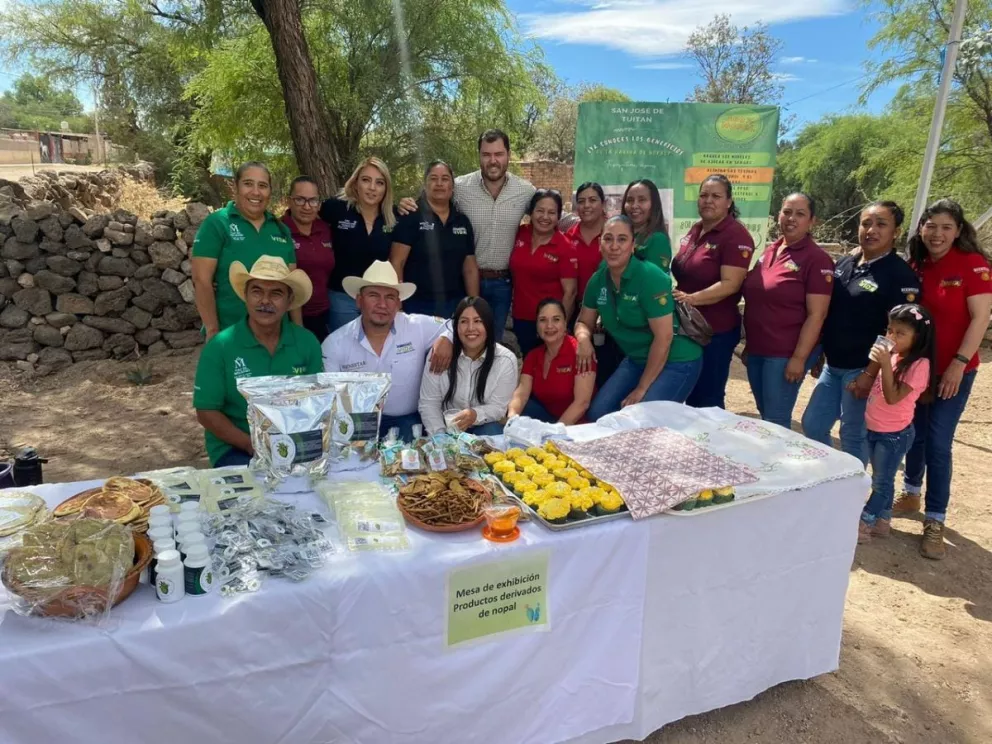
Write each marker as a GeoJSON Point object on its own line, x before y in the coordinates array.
{"type": "Point", "coordinates": [731, 603]}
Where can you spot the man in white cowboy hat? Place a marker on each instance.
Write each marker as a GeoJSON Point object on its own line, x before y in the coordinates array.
{"type": "Point", "coordinates": [263, 343]}
{"type": "Point", "coordinates": [383, 339]}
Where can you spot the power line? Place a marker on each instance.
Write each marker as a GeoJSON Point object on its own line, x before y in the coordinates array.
{"type": "Point", "coordinates": [825, 90]}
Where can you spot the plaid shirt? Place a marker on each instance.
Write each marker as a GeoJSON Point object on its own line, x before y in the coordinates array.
{"type": "Point", "coordinates": [495, 221]}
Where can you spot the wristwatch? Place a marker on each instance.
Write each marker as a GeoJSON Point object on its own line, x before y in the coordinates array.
{"type": "Point", "coordinates": [962, 358]}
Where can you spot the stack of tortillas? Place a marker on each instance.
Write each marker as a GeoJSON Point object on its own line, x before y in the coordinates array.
{"type": "Point", "coordinates": [121, 500]}
{"type": "Point", "coordinates": [19, 511]}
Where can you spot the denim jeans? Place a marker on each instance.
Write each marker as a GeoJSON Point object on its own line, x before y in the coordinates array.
{"type": "Point", "coordinates": [404, 423]}
{"type": "Point", "coordinates": [343, 310]}
{"type": "Point", "coordinates": [533, 409]}
{"type": "Point", "coordinates": [492, 429]}
{"type": "Point", "coordinates": [498, 293]}
{"type": "Point", "coordinates": [674, 383]}
{"type": "Point", "coordinates": [774, 396]}
{"type": "Point", "coordinates": [232, 457]}
{"type": "Point", "coordinates": [832, 400]}
{"type": "Point", "coordinates": [930, 454]}
{"type": "Point", "coordinates": [711, 388]}
{"type": "Point", "coordinates": [526, 333]}
{"type": "Point", "coordinates": [885, 450]}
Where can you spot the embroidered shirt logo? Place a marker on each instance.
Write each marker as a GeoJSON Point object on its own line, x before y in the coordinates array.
{"type": "Point", "coordinates": [347, 224]}
{"type": "Point", "coordinates": [352, 366]}
{"type": "Point", "coordinates": [602, 299]}
{"type": "Point", "coordinates": [236, 233]}
{"type": "Point", "coordinates": [405, 348]}
{"type": "Point", "coordinates": [425, 226]}
{"type": "Point", "coordinates": [791, 265]}
{"type": "Point", "coordinates": [299, 370]}
{"type": "Point", "coordinates": [459, 231]}
{"type": "Point", "coordinates": [629, 297]}
{"type": "Point", "coordinates": [241, 368]}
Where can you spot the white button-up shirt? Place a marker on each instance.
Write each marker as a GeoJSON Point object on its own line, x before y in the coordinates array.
{"type": "Point", "coordinates": [495, 221]}
{"type": "Point", "coordinates": [403, 355]}
{"type": "Point", "coordinates": [500, 384]}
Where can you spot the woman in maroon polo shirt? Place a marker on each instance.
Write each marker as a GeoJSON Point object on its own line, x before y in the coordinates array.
{"type": "Point", "coordinates": [314, 254]}
{"type": "Point", "coordinates": [710, 269]}
{"type": "Point", "coordinates": [786, 297]}
{"type": "Point", "coordinates": [551, 388]}
{"type": "Point", "coordinates": [542, 264]}
{"type": "Point", "coordinates": [956, 287]}
{"type": "Point", "coordinates": [584, 234]}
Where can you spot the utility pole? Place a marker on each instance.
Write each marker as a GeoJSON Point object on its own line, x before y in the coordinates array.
{"type": "Point", "coordinates": [96, 125]}
{"type": "Point", "coordinates": [939, 109]}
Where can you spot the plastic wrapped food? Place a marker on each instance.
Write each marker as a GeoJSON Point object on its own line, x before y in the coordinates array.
{"type": "Point", "coordinates": [357, 414]}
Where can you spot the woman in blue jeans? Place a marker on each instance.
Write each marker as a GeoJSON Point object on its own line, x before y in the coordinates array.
{"type": "Point", "coordinates": [634, 300]}
{"type": "Point", "coordinates": [867, 285]}
{"type": "Point", "coordinates": [786, 297]}
{"type": "Point", "coordinates": [957, 290]}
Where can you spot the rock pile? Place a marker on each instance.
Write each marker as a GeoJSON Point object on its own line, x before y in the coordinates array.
{"type": "Point", "coordinates": [71, 190]}
{"type": "Point", "coordinates": [75, 287]}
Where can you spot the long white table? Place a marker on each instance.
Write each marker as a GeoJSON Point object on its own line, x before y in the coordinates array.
{"type": "Point", "coordinates": [650, 621]}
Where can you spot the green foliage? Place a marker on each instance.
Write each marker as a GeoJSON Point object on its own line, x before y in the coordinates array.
{"type": "Point", "coordinates": [734, 63]}
{"type": "Point", "coordinates": [35, 103]}
{"type": "Point", "coordinates": [555, 133]}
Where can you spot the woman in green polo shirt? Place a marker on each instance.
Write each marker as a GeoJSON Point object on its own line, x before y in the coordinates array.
{"type": "Point", "coordinates": [242, 231]}
{"type": "Point", "coordinates": [642, 205]}
{"type": "Point", "coordinates": [634, 300]}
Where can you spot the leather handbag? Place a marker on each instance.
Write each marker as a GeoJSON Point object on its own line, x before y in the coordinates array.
{"type": "Point", "coordinates": [692, 324]}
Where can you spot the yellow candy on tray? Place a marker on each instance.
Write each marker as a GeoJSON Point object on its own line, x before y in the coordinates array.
{"type": "Point", "coordinates": [576, 482]}
{"type": "Point", "coordinates": [492, 458]}
{"type": "Point", "coordinates": [504, 466]}
{"type": "Point", "coordinates": [512, 476]}
{"type": "Point", "coordinates": [581, 503]}
{"type": "Point", "coordinates": [524, 485]}
{"type": "Point", "coordinates": [531, 470]}
{"type": "Point", "coordinates": [554, 511]}
{"type": "Point", "coordinates": [550, 447]}
{"type": "Point", "coordinates": [524, 460]}
{"type": "Point", "coordinates": [535, 498]}
{"type": "Point", "coordinates": [585, 474]}
{"type": "Point", "coordinates": [609, 503]}
{"type": "Point", "coordinates": [558, 488]}
{"type": "Point", "coordinates": [535, 452]}
{"type": "Point", "coordinates": [514, 452]}
{"type": "Point", "coordinates": [543, 479]}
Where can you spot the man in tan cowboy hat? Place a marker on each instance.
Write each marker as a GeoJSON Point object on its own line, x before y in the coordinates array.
{"type": "Point", "coordinates": [263, 343]}
{"type": "Point", "coordinates": [383, 339]}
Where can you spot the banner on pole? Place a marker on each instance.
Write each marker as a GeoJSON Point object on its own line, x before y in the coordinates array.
{"type": "Point", "coordinates": [677, 145]}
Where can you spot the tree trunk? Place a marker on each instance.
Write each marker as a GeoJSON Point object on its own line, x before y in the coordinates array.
{"type": "Point", "coordinates": [309, 127]}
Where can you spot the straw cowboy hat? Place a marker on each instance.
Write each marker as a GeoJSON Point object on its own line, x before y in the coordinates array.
{"type": "Point", "coordinates": [272, 269]}
{"type": "Point", "coordinates": [379, 274]}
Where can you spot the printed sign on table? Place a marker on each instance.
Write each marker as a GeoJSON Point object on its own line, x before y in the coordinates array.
{"type": "Point", "coordinates": [497, 597]}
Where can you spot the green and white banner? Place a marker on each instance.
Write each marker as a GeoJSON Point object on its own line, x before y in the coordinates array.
{"type": "Point", "coordinates": [677, 145]}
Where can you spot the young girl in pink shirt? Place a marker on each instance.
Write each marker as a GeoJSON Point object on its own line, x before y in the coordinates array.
{"type": "Point", "coordinates": [907, 368]}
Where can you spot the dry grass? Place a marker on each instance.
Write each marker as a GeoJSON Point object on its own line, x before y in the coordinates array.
{"type": "Point", "coordinates": [143, 199]}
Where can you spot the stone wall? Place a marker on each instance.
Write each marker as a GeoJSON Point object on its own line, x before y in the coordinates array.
{"type": "Point", "coordinates": [77, 287]}
{"type": "Point", "coordinates": [548, 174]}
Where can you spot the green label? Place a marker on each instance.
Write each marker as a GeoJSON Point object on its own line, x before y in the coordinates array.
{"type": "Point", "coordinates": [309, 445]}
{"type": "Point", "coordinates": [498, 597]}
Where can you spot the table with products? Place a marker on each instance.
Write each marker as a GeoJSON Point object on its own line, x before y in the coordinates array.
{"type": "Point", "coordinates": [647, 621]}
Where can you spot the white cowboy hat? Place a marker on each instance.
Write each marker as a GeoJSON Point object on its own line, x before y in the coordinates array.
{"type": "Point", "coordinates": [379, 274]}
{"type": "Point", "coordinates": [272, 269]}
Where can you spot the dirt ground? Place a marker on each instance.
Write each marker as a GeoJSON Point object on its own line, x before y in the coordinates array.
{"type": "Point", "coordinates": [916, 661]}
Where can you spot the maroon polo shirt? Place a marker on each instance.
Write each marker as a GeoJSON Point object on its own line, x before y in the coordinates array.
{"type": "Point", "coordinates": [700, 257]}
{"type": "Point", "coordinates": [316, 257]}
{"type": "Point", "coordinates": [775, 295]}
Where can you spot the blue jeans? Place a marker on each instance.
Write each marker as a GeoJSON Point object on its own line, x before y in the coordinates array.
{"type": "Point", "coordinates": [832, 400]}
{"type": "Point", "coordinates": [498, 293]}
{"type": "Point", "coordinates": [438, 308]}
{"type": "Point", "coordinates": [711, 388]}
{"type": "Point", "coordinates": [774, 396]}
{"type": "Point", "coordinates": [885, 450]}
{"type": "Point", "coordinates": [526, 333]}
{"type": "Point", "coordinates": [533, 409]}
{"type": "Point", "coordinates": [404, 423]}
{"type": "Point", "coordinates": [930, 454]}
{"type": "Point", "coordinates": [492, 429]}
{"type": "Point", "coordinates": [674, 383]}
{"type": "Point", "coordinates": [232, 457]}
{"type": "Point", "coordinates": [343, 310]}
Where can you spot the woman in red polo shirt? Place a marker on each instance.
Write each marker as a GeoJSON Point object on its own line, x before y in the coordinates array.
{"type": "Point", "coordinates": [542, 264]}
{"type": "Point", "coordinates": [584, 234]}
{"type": "Point", "coordinates": [957, 290]}
{"type": "Point", "coordinates": [312, 237]}
{"type": "Point", "coordinates": [710, 269]}
{"type": "Point", "coordinates": [551, 388]}
{"type": "Point", "coordinates": [786, 297]}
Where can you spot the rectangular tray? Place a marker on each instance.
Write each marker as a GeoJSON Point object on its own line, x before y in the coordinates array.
{"type": "Point", "coordinates": [533, 515]}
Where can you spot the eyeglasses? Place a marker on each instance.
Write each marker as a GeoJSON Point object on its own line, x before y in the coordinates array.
{"type": "Point", "coordinates": [302, 201]}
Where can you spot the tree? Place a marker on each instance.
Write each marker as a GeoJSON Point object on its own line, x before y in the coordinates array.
{"type": "Point", "coordinates": [734, 63]}
{"type": "Point", "coordinates": [35, 103]}
{"type": "Point", "coordinates": [555, 134]}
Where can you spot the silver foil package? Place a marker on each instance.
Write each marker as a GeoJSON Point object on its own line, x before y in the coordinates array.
{"type": "Point", "coordinates": [357, 415]}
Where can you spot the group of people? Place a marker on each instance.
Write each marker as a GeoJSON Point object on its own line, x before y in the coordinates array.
{"type": "Point", "coordinates": [422, 289]}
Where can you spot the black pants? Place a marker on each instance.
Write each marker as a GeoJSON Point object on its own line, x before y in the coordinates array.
{"type": "Point", "coordinates": [317, 325]}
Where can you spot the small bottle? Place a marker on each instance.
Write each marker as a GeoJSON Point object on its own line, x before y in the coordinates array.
{"type": "Point", "coordinates": [158, 547]}
{"type": "Point", "coordinates": [159, 522]}
{"type": "Point", "coordinates": [160, 533]}
{"type": "Point", "coordinates": [189, 507]}
{"type": "Point", "coordinates": [162, 510]}
{"type": "Point", "coordinates": [188, 538]}
{"type": "Point", "coordinates": [170, 583]}
{"type": "Point", "coordinates": [186, 517]}
{"type": "Point", "coordinates": [198, 571]}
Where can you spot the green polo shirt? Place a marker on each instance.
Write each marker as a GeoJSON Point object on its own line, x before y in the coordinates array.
{"type": "Point", "coordinates": [657, 250]}
{"type": "Point", "coordinates": [234, 353]}
{"type": "Point", "coordinates": [228, 237]}
{"type": "Point", "coordinates": [645, 292]}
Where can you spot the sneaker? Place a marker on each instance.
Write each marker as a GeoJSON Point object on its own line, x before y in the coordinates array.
{"type": "Point", "coordinates": [933, 540]}
{"type": "Point", "coordinates": [907, 505]}
{"type": "Point", "coordinates": [864, 533]}
{"type": "Point", "coordinates": [881, 528]}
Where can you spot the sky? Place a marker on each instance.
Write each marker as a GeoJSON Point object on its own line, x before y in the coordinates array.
{"type": "Point", "coordinates": [635, 46]}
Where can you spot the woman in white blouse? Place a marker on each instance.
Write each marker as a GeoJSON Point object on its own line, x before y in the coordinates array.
{"type": "Point", "coordinates": [474, 392]}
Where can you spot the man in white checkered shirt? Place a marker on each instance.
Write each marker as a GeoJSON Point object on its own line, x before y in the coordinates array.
{"type": "Point", "coordinates": [495, 202]}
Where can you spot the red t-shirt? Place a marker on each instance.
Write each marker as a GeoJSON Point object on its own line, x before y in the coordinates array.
{"type": "Point", "coordinates": [557, 391]}
{"type": "Point", "coordinates": [538, 274]}
{"type": "Point", "coordinates": [316, 257]}
{"type": "Point", "coordinates": [700, 257]}
{"type": "Point", "coordinates": [946, 285]}
{"type": "Point", "coordinates": [775, 295]}
{"type": "Point", "coordinates": [587, 253]}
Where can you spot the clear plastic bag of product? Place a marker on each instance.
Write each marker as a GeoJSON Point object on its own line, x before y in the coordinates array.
{"type": "Point", "coordinates": [367, 516]}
